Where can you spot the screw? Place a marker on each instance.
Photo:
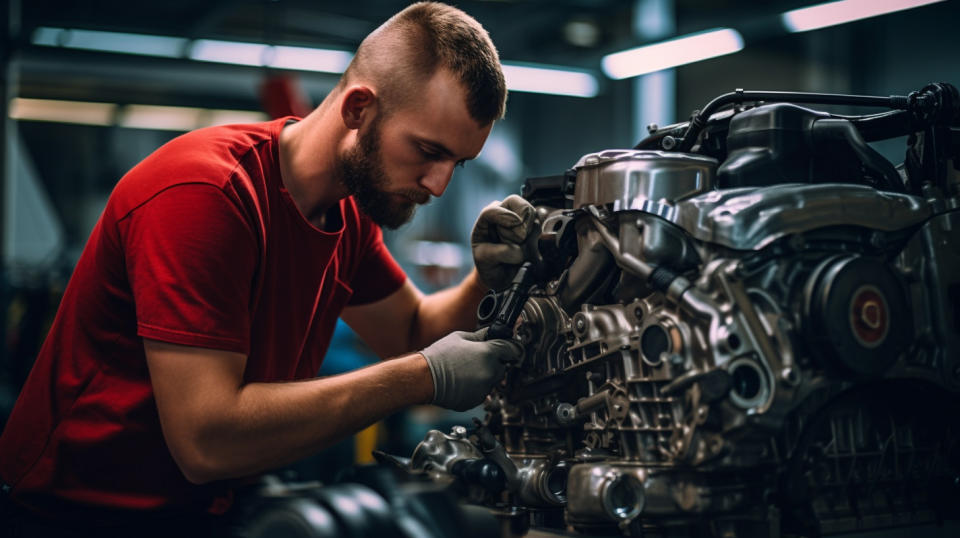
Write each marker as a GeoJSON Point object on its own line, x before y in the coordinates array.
{"type": "Point", "coordinates": [458, 431]}
{"type": "Point", "coordinates": [580, 324]}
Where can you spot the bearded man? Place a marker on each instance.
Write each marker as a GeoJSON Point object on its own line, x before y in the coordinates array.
{"type": "Point", "coordinates": [216, 274]}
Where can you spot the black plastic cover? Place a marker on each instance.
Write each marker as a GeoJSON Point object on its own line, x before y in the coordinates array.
{"type": "Point", "coordinates": [550, 191]}
{"type": "Point", "coordinates": [786, 143]}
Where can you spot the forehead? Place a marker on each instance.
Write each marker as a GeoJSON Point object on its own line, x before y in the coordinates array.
{"type": "Point", "coordinates": [437, 111]}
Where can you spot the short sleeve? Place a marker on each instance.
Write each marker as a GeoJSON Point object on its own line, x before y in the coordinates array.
{"type": "Point", "coordinates": [190, 257]}
{"type": "Point", "coordinates": [378, 273]}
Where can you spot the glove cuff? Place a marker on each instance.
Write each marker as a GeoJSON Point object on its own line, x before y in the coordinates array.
{"type": "Point", "coordinates": [435, 375]}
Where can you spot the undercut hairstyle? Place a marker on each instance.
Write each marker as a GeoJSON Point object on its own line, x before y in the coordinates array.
{"type": "Point", "coordinates": [408, 49]}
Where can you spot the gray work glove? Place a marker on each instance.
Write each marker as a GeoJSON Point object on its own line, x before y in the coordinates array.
{"type": "Point", "coordinates": [465, 367]}
{"type": "Point", "coordinates": [504, 237]}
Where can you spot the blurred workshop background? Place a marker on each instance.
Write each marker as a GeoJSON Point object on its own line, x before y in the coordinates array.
{"type": "Point", "coordinates": [91, 87]}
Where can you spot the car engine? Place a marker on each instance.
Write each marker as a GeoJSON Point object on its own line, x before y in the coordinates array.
{"type": "Point", "coordinates": [748, 324]}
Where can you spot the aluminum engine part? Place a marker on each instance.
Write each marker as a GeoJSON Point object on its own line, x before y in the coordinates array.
{"type": "Point", "coordinates": [764, 359]}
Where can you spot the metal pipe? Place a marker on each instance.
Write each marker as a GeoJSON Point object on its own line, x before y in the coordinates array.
{"type": "Point", "coordinates": [680, 291]}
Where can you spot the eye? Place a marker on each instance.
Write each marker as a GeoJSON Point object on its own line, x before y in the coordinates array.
{"type": "Point", "coordinates": [430, 154]}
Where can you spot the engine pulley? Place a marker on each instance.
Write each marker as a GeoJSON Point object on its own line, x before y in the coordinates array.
{"type": "Point", "coordinates": [857, 317]}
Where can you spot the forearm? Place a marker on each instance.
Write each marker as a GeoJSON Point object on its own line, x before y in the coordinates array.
{"type": "Point", "coordinates": [273, 424]}
{"type": "Point", "coordinates": [452, 309]}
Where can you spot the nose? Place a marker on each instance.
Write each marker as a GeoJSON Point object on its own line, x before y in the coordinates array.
{"type": "Point", "coordinates": [438, 177]}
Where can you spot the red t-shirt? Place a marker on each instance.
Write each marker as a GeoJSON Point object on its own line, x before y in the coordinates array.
{"type": "Point", "coordinates": [200, 245]}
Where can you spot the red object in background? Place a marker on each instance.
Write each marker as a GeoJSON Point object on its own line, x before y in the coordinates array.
{"type": "Point", "coordinates": [282, 95]}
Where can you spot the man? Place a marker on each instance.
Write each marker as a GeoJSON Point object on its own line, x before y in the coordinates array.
{"type": "Point", "coordinates": [217, 272]}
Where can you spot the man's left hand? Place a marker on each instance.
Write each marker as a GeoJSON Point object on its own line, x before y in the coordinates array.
{"type": "Point", "coordinates": [503, 238]}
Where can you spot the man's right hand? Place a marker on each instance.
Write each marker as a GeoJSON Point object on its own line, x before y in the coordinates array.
{"type": "Point", "coordinates": [465, 367]}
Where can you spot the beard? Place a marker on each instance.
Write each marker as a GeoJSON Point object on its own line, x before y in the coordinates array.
{"type": "Point", "coordinates": [361, 171]}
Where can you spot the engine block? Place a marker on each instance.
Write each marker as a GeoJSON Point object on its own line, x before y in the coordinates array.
{"type": "Point", "coordinates": [717, 343]}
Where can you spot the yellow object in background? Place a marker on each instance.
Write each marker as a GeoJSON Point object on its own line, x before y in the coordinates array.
{"type": "Point", "coordinates": [364, 443]}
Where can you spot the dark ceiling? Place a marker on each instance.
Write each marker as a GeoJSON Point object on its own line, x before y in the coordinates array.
{"type": "Point", "coordinates": [524, 30]}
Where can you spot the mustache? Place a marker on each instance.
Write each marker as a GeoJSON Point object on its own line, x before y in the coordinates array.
{"type": "Point", "coordinates": [420, 197]}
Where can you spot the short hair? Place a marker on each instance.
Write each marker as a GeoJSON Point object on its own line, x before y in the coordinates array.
{"type": "Point", "coordinates": [413, 44]}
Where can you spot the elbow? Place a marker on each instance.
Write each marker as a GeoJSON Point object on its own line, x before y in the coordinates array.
{"type": "Point", "coordinates": [198, 465]}
{"type": "Point", "coordinates": [198, 475]}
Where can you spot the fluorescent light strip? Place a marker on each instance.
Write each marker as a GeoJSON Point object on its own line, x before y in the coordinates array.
{"type": "Point", "coordinates": [164, 118]}
{"type": "Point", "coordinates": [46, 36]}
{"type": "Point", "coordinates": [672, 53]}
{"type": "Point", "coordinates": [310, 59]}
{"type": "Point", "coordinates": [206, 50]}
{"type": "Point", "coordinates": [519, 77]}
{"type": "Point", "coordinates": [833, 13]}
{"type": "Point", "coordinates": [551, 80]}
{"type": "Point", "coordinates": [84, 113]}
{"type": "Point", "coordinates": [229, 52]}
{"type": "Point", "coordinates": [144, 45]}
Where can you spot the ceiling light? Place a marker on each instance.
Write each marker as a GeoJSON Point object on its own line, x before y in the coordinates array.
{"type": "Point", "coordinates": [229, 52]}
{"type": "Point", "coordinates": [552, 80]}
{"type": "Point", "coordinates": [582, 32]}
{"type": "Point", "coordinates": [521, 78]}
{"type": "Point", "coordinates": [671, 53]}
{"type": "Point", "coordinates": [84, 113]}
{"type": "Point", "coordinates": [310, 59]}
{"type": "Point", "coordinates": [166, 118]}
{"type": "Point", "coordinates": [146, 45]}
{"type": "Point", "coordinates": [215, 116]}
{"type": "Point", "coordinates": [833, 13]}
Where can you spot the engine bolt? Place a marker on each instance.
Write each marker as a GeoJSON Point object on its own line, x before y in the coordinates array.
{"type": "Point", "coordinates": [565, 413]}
{"type": "Point", "coordinates": [580, 324]}
{"type": "Point", "coordinates": [459, 431]}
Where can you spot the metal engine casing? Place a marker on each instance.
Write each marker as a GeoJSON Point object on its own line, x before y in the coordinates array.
{"type": "Point", "coordinates": [732, 359]}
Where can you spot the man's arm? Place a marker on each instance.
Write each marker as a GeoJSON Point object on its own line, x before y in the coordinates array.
{"type": "Point", "coordinates": [407, 319]}
{"type": "Point", "coordinates": [217, 427]}
{"type": "Point", "coordinates": [503, 238]}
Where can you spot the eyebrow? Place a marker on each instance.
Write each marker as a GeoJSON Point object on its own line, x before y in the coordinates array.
{"type": "Point", "coordinates": [443, 149]}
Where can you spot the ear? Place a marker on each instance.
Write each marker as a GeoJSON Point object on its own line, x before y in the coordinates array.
{"type": "Point", "coordinates": [358, 103]}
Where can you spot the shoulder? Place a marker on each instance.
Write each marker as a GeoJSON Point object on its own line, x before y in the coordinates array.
{"type": "Point", "coordinates": [208, 154]}
{"type": "Point", "coordinates": [212, 155]}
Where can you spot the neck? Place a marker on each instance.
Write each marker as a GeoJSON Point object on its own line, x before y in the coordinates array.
{"type": "Point", "coordinates": [308, 153]}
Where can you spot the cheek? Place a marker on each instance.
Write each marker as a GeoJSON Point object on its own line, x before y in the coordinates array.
{"type": "Point", "coordinates": [402, 164]}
